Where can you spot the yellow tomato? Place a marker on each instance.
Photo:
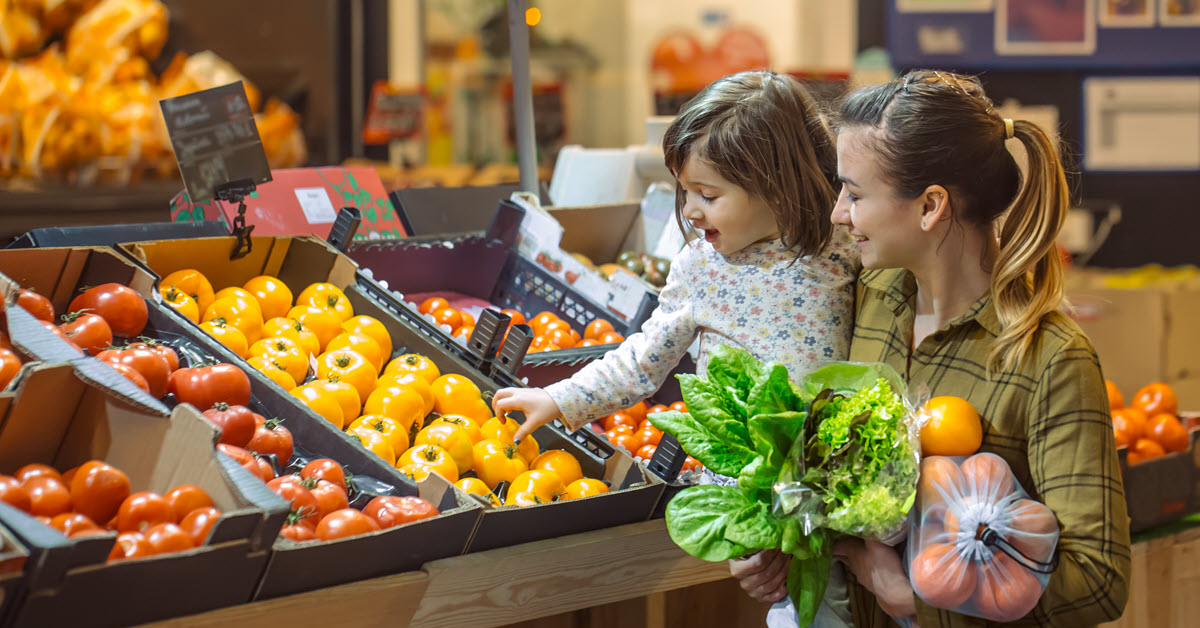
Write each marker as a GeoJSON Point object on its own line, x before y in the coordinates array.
{"type": "Point", "coordinates": [432, 456]}
{"type": "Point", "coordinates": [452, 394]}
{"type": "Point", "coordinates": [413, 381]}
{"type": "Point", "coordinates": [346, 395]}
{"type": "Point", "coordinates": [496, 461]}
{"type": "Point", "coordinates": [227, 335]}
{"type": "Point", "coordinates": [361, 343]}
{"type": "Point", "coordinates": [239, 293]}
{"type": "Point", "coordinates": [463, 422]}
{"type": "Point", "coordinates": [325, 324]}
{"type": "Point", "coordinates": [475, 486]}
{"type": "Point", "coordinates": [478, 411]}
{"type": "Point", "coordinates": [413, 363]}
{"type": "Point", "coordinates": [194, 283]}
{"type": "Point", "coordinates": [274, 297]}
{"type": "Point", "coordinates": [327, 297]}
{"type": "Point", "coordinates": [284, 352]}
{"type": "Point", "coordinates": [398, 402]}
{"type": "Point", "coordinates": [375, 442]}
{"type": "Point", "coordinates": [392, 430]}
{"type": "Point", "coordinates": [536, 486]}
{"type": "Point", "coordinates": [350, 367]}
{"type": "Point", "coordinates": [273, 371]}
{"type": "Point", "coordinates": [372, 327]}
{"type": "Point", "coordinates": [556, 460]}
{"type": "Point", "coordinates": [453, 439]}
{"type": "Point", "coordinates": [241, 312]}
{"type": "Point", "coordinates": [321, 403]}
{"type": "Point", "coordinates": [504, 431]}
{"type": "Point", "coordinates": [294, 329]}
{"type": "Point", "coordinates": [181, 302]}
{"type": "Point", "coordinates": [416, 472]}
{"type": "Point", "coordinates": [585, 487]}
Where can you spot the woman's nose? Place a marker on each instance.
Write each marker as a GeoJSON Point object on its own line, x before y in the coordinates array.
{"type": "Point", "coordinates": [841, 212]}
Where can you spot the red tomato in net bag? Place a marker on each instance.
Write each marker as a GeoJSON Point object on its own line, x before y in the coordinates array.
{"type": "Point", "coordinates": [942, 576]}
{"type": "Point", "coordinates": [1004, 591]}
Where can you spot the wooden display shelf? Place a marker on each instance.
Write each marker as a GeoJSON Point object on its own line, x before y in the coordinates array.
{"type": "Point", "coordinates": [497, 587]}
{"type": "Point", "coordinates": [1163, 582]}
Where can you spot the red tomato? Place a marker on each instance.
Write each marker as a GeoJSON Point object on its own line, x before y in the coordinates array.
{"type": "Point", "coordinates": [205, 386]}
{"type": "Point", "coordinates": [98, 489]}
{"type": "Point", "coordinates": [679, 406]}
{"type": "Point", "coordinates": [265, 469]}
{"type": "Point", "coordinates": [121, 306]}
{"type": "Point", "coordinates": [36, 304]}
{"type": "Point", "coordinates": [57, 331]}
{"type": "Point", "coordinates": [690, 464]}
{"type": "Point", "coordinates": [88, 331]}
{"type": "Point", "coordinates": [298, 532]}
{"type": "Point", "coordinates": [344, 523]}
{"type": "Point", "coordinates": [432, 304]}
{"type": "Point", "coordinates": [273, 438]}
{"type": "Point", "coordinates": [198, 523]}
{"type": "Point", "coordinates": [151, 364]}
{"type": "Point", "coordinates": [162, 349]}
{"type": "Point", "coordinates": [34, 469]}
{"type": "Point", "coordinates": [237, 423]}
{"type": "Point", "coordinates": [185, 498]}
{"type": "Point", "coordinates": [9, 365]}
{"type": "Point", "coordinates": [390, 512]}
{"type": "Point", "coordinates": [242, 457]}
{"type": "Point", "coordinates": [330, 497]}
{"type": "Point", "coordinates": [291, 488]}
{"type": "Point", "coordinates": [131, 375]}
{"type": "Point", "coordinates": [631, 442]}
{"type": "Point", "coordinates": [70, 522]}
{"type": "Point", "coordinates": [624, 418]}
{"type": "Point", "coordinates": [649, 434]}
{"type": "Point", "coordinates": [325, 469]}
{"type": "Point", "coordinates": [517, 317]}
{"type": "Point", "coordinates": [130, 545]}
{"type": "Point", "coordinates": [646, 452]}
{"type": "Point", "coordinates": [168, 537]}
{"type": "Point", "coordinates": [142, 510]}
{"type": "Point", "coordinates": [13, 493]}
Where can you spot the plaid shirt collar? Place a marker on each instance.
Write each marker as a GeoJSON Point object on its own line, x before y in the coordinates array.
{"type": "Point", "coordinates": [898, 288]}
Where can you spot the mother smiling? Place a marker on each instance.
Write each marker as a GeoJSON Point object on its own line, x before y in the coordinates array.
{"type": "Point", "coordinates": [962, 291]}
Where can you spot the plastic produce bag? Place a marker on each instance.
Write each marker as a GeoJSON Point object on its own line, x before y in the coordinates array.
{"type": "Point", "coordinates": [116, 29]}
{"type": "Point", "coordinates": [979, 546]}
{"type": "Point", "coordinates": [279, 127]}
{"type": "Point", "coordinates": [20, 32]}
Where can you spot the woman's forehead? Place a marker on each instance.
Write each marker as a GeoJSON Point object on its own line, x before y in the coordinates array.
{"type": "Point", "coordinates": [856, 157]}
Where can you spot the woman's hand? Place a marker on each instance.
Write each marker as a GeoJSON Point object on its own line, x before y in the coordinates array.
{"type": "Point", "coordinates": [763, 576]}
{"type": "Point", "coordinates": [539, 407]}
{"type": "Point", "coordinates": [877, 567]}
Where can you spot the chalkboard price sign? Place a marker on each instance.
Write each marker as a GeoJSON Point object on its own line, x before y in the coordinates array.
{"type": "Point", "coordinates": [215, 139]}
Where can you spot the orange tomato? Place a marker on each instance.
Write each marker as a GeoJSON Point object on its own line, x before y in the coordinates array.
{"type": "Point", "coordinates": [940, 477]}
{"type": "Point", "coordinates": [432, 456]}
{"type": "Point", "coordinates": [464, 333]}
{"type": "Point", "coordinates": [391, 429]}
{"type": "Point", "coordinates": [649, 434]}
{"type": "Point", "coordinates": [412, 381]}
{"type": "Point", "coordinates": [1115, 400]}
{"type": "Point", "coordinates": [631, 441]}
{"type": "Point", "coordinates": [398, 402]}
{"type": "Point", "coordinates": [1156, 398]}
{"type": "Point", "coordinates": [588, 342]}
{"type": "Point", "coordinates": [535, 486]}
{"type": "Point", "coordinates": [585, 487]}
{"type": "Point", "coordinates": [361, 343]}
{"type": "Point", "coordinates": [597, 328]}
{"type": "Point", "coordinates": [375, 442]}
{"type": "Point", "coordinates": [560, 338]}
{"type": "Point", "coordinates": [274, 371]}
{"type": "Point", "coordinates": [327, 297]}
{"type": "Point", "coordinates": [656, 408]}
{"type": "Point", "coordinates": [1129, 424]}
{"type": "Point", "coordinates": [496, 461]}
{"type": "Point", "coordinates": [294, 329]}
{"type": "Point", "coordinates": [647, 451]}
{"type": "Point", "coordinates": [476, 486]}
{"type": "Point", "coordinates": [372, 327]}
{"type": "Point", "coordinates": [466, 424]}
{"type": "Point", "coordinates": [321, 402]}
{"type": "Point", "coordinates": [515, 317]}
{"type": "Point", "coordinates": [1005, 591]}
{"type": "Point", "coordinates": [621, 418]}
{"type": "Point", "coordinates": [1167, 431]}
{"type": "Point", "coordinates": [273, 296]}
{"type": "Point", "coordinates": [467, 319]}
{"type": "Point", "coordinates": [1038, 523]}
{"type": "Point", "coordinates": [181, 302]}
{"type": "Point", "coordinates": [504, 431]}
{"type": "Point", "coordinates": [238, 311]}
{"type": "Point", "coordinates": [324, 323]}
{"type": "Point", "coordinates": [228, 335]}
{"type": "Point", "coordinates": [953, 427]}
{"type": "Point", "coordinates": [560, 462]}
{"type": "Point", "coordinates": [194, 283]}
{"type": "Point", "coordinates": [610, 337]}
{"type": "Point", "coordinates": [413, 363]}
{"type": "Point", "coordinates": [432, 304]}
{"type": "Point", "coordinates": [285, 353]}
{"type": "Point", "coordinates": [988, 474]}
{"type": "Point", "coordinates": [453, 393]}
{"type": "Point", "coordinates": [449, 317]}
{"type": "Point", "coordinates": [350, 367]}
{"type": "Point", "coordinates": [345, 394]}
{"type": "Point", "coordinates": [942, 576]}
{"type": "Point", "coordinates": [455, 440]}
{"type": "Point", "coordinates": [637, 410]}
{"type": "Point", "coordinates": [538, 323]}
{"type": "Point", "coordinates": [558, 324]}
{"type": "Point", "coordinates": [678, 406]}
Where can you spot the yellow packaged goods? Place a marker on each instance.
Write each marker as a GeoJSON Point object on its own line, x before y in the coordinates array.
{"type": "Point", "coordinates": [279, 127]}
{"type": "Point", "coordinates": [203, 70]}
{"type": "Point", "coordinates": [20, 32]}
{"type": "Point", "coordinates": [8, 123]}
{"type": "Point", "coordinates": [56, 15]}
{"type": "Point", "coordinates": [57, 132]}
{"type": "Point", "coordinates": [138, 27]}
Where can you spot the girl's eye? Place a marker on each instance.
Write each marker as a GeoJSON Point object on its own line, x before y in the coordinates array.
{"type": "Point", "coordinates": [706, 199]}
{"type": "Point", "coordinates": [852, 198]}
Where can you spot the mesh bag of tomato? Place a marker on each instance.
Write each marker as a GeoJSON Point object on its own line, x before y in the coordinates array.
{"type": "Point", "coordinates": [978, 545]}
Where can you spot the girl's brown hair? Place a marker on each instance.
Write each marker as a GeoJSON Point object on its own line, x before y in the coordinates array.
{"type": "Point", "coordinates": [939, 128]}
{"type": "Point", "coordinates": [763, 132]}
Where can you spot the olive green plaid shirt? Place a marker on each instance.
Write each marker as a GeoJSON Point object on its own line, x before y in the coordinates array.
{"type": "Point", "coordinates": [1048, 419]}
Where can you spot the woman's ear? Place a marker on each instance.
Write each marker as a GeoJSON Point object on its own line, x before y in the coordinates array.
{"type": "Point", "coordinates": [935, 207]}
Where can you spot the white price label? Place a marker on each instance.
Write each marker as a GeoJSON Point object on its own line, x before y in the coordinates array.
{"type": "Point", "coordinates": [626, 294]}
{"type": "Point", "coordinates": [316, 205]}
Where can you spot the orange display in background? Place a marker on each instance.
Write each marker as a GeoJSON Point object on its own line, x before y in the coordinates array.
{"type": "Point", "coordinates": [681, 66]}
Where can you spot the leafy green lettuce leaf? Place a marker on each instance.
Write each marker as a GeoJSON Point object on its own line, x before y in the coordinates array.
{"type": "Point", "coordinates": [808, 576]}
{"type": "Point", "coordinates": [772, 436]}
{"type": "Point", "coordinates": [698, 519]}
{"type": "Point", "coordinates": [773, 394]}
{"type": "Point", "coordinates": [753, 527]}
{"type": "Point", "coordinates": [717, 451]}
{"type": "Point", "coordinates": [848, 376]}
{"type": "Point", "coordinates": [735, 370]}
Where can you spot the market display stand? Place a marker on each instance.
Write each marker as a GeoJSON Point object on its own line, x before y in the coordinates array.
{"type": "Point", "coordinates": [545, 579]}
{"type": "Point", "coordinates": [1164, 582]}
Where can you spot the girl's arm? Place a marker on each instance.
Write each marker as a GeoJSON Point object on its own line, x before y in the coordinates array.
{"type": "Point", "coordinates": [1073, 463]}
{"type": "Point", "coordinates": [625, 376]}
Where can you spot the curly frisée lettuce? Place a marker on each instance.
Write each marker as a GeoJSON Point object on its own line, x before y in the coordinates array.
{"type": "Point", "coordinates": [832, 454]}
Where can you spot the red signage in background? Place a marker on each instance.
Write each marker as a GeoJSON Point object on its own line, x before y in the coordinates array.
{"type": "Point", "coordinates": [393, 114]}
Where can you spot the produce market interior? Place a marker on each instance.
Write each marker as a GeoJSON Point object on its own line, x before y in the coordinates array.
{"type": "Point", "coordinates": [578, 314]}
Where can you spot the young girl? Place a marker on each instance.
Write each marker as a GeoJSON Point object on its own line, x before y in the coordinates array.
{"type": "Point", "coordinates": [972, 310]}
{"type": "Point", "coordinates": [755, 166]}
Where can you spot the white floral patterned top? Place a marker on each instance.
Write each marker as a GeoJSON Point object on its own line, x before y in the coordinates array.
{"type": "Point", "coordinates": [798, 314]}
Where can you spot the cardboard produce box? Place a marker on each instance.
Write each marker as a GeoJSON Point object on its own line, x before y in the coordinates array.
{"type": "Point", "coordinates": [14, 563]}
{"type": "Point", "coordinates": [63, 416]}
{"type": "Point", "coordinates": [1164, 489]}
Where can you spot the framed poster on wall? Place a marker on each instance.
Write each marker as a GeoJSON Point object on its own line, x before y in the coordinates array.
{"type": "Point", "coordinates": [1126, 13]}
{"type": "Point", "coordinates": [1046, 27]}
{"type": "Point", "coordinates": [1179, 12]}
{"type": "Point", "coordinates": [944, 6]}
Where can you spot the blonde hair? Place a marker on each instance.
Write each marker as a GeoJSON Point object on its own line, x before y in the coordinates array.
{"type": "Point", "coordinates": [763, 132]}
{"type": "Point", "coordinates": [939, 128]}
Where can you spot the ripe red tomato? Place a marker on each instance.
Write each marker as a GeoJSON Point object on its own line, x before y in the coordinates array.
{"type": "Point", "coordinates": [121, 306]}
{"type": "Point", "coordinates": [679, 406]}
{"type": "Point", "coordinates": [162, 349]}
{"type": "Point", "coordinates": [97, 490]}
{"type": "Point", "coordinates": [298, 532]}
{"type": "Point", "coordinates": [9, 365]}
{"type": "Point", "coordinates": [131, 375]}
{"type": "Point", "coordinates": [35, 469]}
{"type": "Point", "coordinates": [649, 434]}
{"type": "Point", "coordinates": [168, 537]}
{"type": "Point", "coordinates": [198, 523]}
{"type": "Point", "coordinates": [142, 510]}
{"type": "Point", "coordinates": [690, 464]}
{"type": "Point", "coordinates": [265, 469]}
{"type": "Point", "coordinates": [325, 469]}
{"type": "Point", "coordinates": [237, 423]}
{"type": "Point", "coordinates": [623, 418]}
{"type": "Point", "coordinates": [291, 488]}
{"type": "Point", "coordinates": [630, 442]}
{"type": "Point", "coordinates": [330, 497]}
{"type": "Point", "coordinates": [344, 523]}
{"type": "Point", "coordinates": [432, 304]}
{"type": "Point", "coordinates": [151, 364]}
{"type": "Point", "coordinates": [89, 331]}
{"type": "Point", "coordinates": [70, 522]}
{"type": "Point", "coordinates": [205, 386]}
{"type": "Point", "coordinates": [1156, 398]}
{"type": "Point", "coordinates": [36, 304]}
{"type": "Point", "coordinates": [48, 497]}
{"type": "Point", "coordinates": [130, 545]}
{"type": "Point", "coordinates": [242, 457]}
{"type": "Point", "coordinates": [57, 331]}
{"type": "Point", "coordinates": [13, 493]}
{"type": "Point", "coordinates": [185, 498]}
{"type": "Point", "coordinates": [273, 438]}
{"type": "Point", "coordinates": [647, 451]}
{"type": "Point", "coordinates": [390, 511]}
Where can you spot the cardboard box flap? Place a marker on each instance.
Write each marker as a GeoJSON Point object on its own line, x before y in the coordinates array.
{"type": "Point", "coordinates": [34, 432]}
{"type": "Point", "coordinates": [31, 338]}
{"type": "Point", "coordinates": [597, 231]}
